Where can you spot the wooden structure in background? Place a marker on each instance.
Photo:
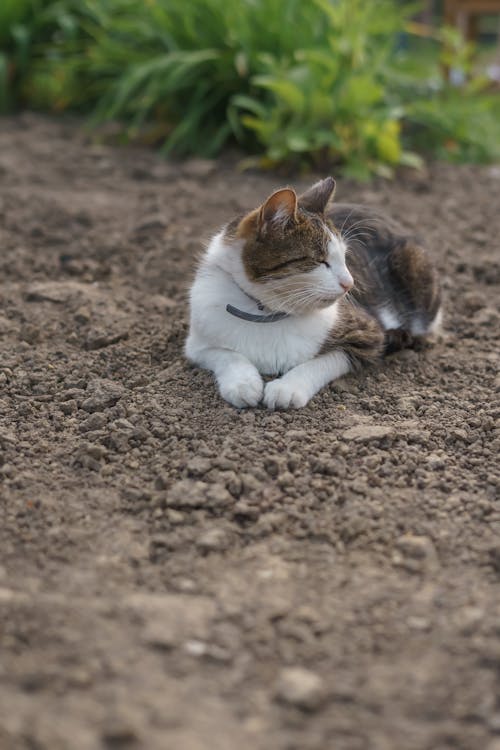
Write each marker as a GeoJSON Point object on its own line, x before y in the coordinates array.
{"type": "Point", "coordinates": [464, 14]}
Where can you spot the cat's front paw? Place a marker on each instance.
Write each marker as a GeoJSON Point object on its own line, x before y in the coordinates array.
{"type": "Point", "coordinates": [242, 389]}
{"type": "Point", "coordinates": [285, 394]}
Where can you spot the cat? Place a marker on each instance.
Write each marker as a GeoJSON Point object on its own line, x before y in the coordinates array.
{"type": "Point", "coordinates": [306, 290]}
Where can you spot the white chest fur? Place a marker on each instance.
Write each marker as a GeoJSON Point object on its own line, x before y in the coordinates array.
{"type": "Point", "coordinates": [273, 348]}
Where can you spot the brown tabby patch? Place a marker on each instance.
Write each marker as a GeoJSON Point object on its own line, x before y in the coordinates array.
{"type": "Point", "coordinates": [357, 334]}
{"type": "Point", "coordinates": [412, 268]}
{"type": "Point", "coordinates": [280, 250]}
{"type": "Point", "coordinates": [286, 235]}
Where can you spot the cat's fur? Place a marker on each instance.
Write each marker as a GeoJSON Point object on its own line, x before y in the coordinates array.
{"type": "Point", "coordinates": [289, 256]}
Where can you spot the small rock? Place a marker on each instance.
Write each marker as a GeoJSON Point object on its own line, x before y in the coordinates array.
{"type": "Point", "coordinates": [134, 494]}
{"type": "Point", "coordinates": [494, 725]}
{"type": "Point", "coordinates": [94, 422]}
{"type": "Point", "coordinates": [487, 316]}
{"type": "Point", "coordinates": [104, 393]}
{"type": "Point", "coordinates": [82, 315]}
{"type": "Point", "coordinates": [7, 326]}
{"type": "Point", "coordinates": [175, 517]}
{"type": "Point", "coordinates": [218, 497]}
{"type": "Point", "coordinates": [170, 619]}
{"type": "Point", "coordinates": [69, 407]}
{"type": "Point", "coordinates": [435, 461]}
{"type": "Point", "coordinates": [29, 333]}
{"type": "Point", "coordinates": [7, 436]}
{"type": "Point", "coordinates": [198, 466]}
{"type": "Point", "coordinates": [198, 168]}
{"type": "Point", "coordinates": [418, 547]}
{"type": "Point", "coordinates": [213, 540]}
{"type": "Point", "coordinates": [246, 512]}
{"type": "Point", "coordinates": [472, 301]}
{"type": "Point", "coordinates": [368, 432]}
{"type": "Point", "coordinates": [195, 494]}
{"type": "Point", "coordinates": [250, 483]}
{"type": "Point", "coordinates": [459, 434]}
{"type": "Point", "coordinates": [58, 292]}
{"type": "Point", "coordinates": [468, 619]}
{"type": "Point", "coordinates": [416, 554]}
{"type": "Point", "coordinates": [161, 482]}
{"type": "Point", "coordinates": [233, 483]}
{"type": "Point", "coordinates": [300, 688]}
{"type": "Point", "coordinates": [196, 648]}
{"type": "Point", "coordinates": [118, 732]}
{"type": "Point", "coordinates": [272, 466]}
{"type": "Point", "coordinates": [73, 393]}
{"type": "Point", "coordinates": [151, 224]}
{"type": "Point", "coordinates": [96, 451]}
{"type": "Point", "coordinates": [98, 338]}
{"type": "Point", "coordinates": [162, 634]}
{"type": "Point", "coordinates": [416, 622]}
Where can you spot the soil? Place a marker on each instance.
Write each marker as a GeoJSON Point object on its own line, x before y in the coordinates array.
{"type": "Point", "coordinates": [179, 574]}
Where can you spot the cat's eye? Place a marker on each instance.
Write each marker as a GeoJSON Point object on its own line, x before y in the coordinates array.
{"type": "Point", "coordinates": [325, 263]}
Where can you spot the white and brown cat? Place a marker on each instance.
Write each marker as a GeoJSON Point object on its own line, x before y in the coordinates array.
{"type": "Point", "coordinates": [270, 297]}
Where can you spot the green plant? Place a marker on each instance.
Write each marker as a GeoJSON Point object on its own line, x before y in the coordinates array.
{"type": "Point", "coordinates": [327, 99]}
{"type": "Point", "coordinates": [456, 123]}
{"type": "Point", "coordinates": [322, 81]}
{"type": "Point", "coordinates": [29, 31]}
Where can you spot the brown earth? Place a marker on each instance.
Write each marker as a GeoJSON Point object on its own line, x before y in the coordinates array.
{"type": "Point", "coordinates": [176, 574]}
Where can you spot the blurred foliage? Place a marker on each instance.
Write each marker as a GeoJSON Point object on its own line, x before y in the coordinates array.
{"type": "Point", "coordinates": [322, 81]}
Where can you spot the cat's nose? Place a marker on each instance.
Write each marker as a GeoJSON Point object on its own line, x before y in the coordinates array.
{"type": "Point", "coordinates": [346, 285]}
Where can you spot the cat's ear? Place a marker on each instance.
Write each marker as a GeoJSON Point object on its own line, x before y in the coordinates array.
{"type": "Point", "coordinates": [317, 198]}
{"type": "Point", "coordinates": [279, 209]}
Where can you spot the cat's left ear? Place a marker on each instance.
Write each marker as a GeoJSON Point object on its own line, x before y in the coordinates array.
{"type": "Point", "coordinates": [317, 198]}
{"type": "Point", "coordinates": [279, 209]}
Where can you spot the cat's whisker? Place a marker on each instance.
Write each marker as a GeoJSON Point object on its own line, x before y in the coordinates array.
{"type": "Point", "coordinates": [355, 231]}
{"type": "Point", "coordinates": [298, 298]}
{"type": "Point", "coordinates": [361, 242]}
{"type": "Point", "coordinates": [347, 218]}
{"type": "Point", "coordinates": [355, 225]}
{"type": "Point", "coordinates": [356, 236]}
{"type": "Point", "coordinates": [358, 230]}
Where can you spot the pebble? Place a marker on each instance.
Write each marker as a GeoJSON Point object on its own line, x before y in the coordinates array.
{"type": "Point", "coordinates": [170, 619]}
{"type": "Point", "coordinates": [99, 338]}
{"type": "Point", "coordinates": [366, 433]}
{"type": "Point", "coordinates": [198, 466]}
{"type": "Point", "coordinates": [104, 393]}
{"type": "Point", "coordinates": [194, 494]}
{"type": "Point", "coordinates": [69, 407]}
{"type": "Point", "coordinates": [244, 510]}
{"type": "Point", "coordinates": [199, 168]}
{"type": "Point", "coordinates": [82, 315]}
{"type": "Point", "coordinates": [301, 688]}
{"type": "Point", "coordinates": [418, 547]}
{"type": "Point", "coordinates": [54, 291]}
{"type": "Point", "coordinates": [94, 422]}
{"type": "Point", "coordinates": [117, 732]}
{"type": "Point", "coordinates": [213, 540]}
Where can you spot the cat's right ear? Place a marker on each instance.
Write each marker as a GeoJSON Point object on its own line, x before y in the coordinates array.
{"type": "Point", "coordinates": [317, 198]}
{"type": "Point", "coordinates": [278, 210]}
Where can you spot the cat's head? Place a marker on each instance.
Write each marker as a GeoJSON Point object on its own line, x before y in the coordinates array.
{"type": "Point", "coordinates": [292, 256]}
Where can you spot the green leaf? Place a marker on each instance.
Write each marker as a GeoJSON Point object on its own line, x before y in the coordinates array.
{"type": "Point", "coordinates": [285, 90]}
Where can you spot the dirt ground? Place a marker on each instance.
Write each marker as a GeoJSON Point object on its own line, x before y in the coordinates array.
{"type": "Point", "coordinates": [179, 575]}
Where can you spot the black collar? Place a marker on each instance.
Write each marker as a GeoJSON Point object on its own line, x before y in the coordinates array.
{"type": "Point", "coordinates": [271, 318]}
{"type": "Point", "coordinates": [251, 317]}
